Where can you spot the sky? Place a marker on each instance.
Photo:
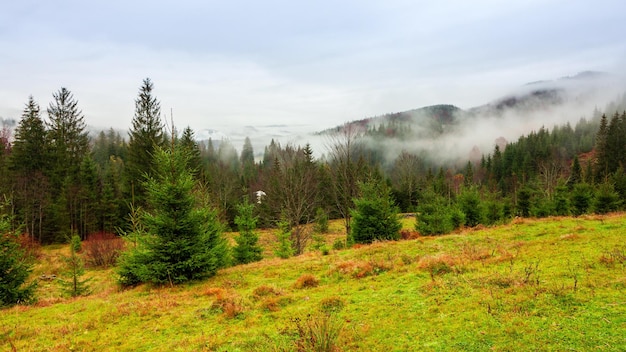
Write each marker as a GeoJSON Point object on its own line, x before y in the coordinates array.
{"type": "Point", "coordinates": [242, 65]}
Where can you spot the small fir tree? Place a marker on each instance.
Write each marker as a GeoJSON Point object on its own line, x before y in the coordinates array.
{"type": "Point", "coordinates": [247, 249]}
{"type": "Point", "coordinates": [581, 198]}
{"type": "Point", "coordinates": [321, 221]}
{"type": "Point", "coordinates": [375, 216]}
{"type": "Point", "coordinates": [183, 241]}
{"type": "Point", "coordinates": [606, 199]}
{"type": "Point", "coordinates": [74, 285]}
{"type": "Point", "coordinates": [284, 248]}
{"type": "Point", "coordinates": [470, 204]}
{"type": "Point", "coordinates": [433, 216]}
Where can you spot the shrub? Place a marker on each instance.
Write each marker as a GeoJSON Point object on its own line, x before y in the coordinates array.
{"type": "Point", "coordinates": [307, 281]}
{"type": "Point", "coordinates": [30, 246]}
{"type": "Point", "coordinates": [409, 234]}
{"type": "Point", "coordinates": [339, 243]}
{"type": "Point", "coordinates": [102, 249]}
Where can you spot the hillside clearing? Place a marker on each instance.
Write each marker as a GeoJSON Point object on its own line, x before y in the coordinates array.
{"type": "Point", "coordinates": [551, 284]}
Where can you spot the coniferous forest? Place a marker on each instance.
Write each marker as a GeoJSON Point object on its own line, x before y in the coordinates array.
{"type": "Point", "coordinates": [172, 196]}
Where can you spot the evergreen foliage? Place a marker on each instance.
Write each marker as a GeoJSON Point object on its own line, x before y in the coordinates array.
{"type": "Point", "coordinates": [284, 248]}
{"type": "Point", "coordinates": [582, 196]}
{"type": "Point", "coordinates": [181, 242]}
{"type": "Point", "coordinates": [375, 215]}
{"type": "Point", "coordinates": [74, 285]}
{"type": "Point", "coordinates": [15, 267]}
{"type": "Point", "coordinates": [247, 249]}
{"type": "Point", "coordinates": [606, 199]}
{"type": "Point", "coordinates": [433, 215]}
{"type": "Point", "coordinates": [470, 204]}
{"type": "Point", "coordinates": [146, 135]}
{"type": "Point", "coordinates": [321, 221]}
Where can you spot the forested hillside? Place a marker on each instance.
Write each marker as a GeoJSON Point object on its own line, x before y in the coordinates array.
{"type": "Point", "coordinates": [58, 181]}
{"type": "Point", "coordinates": [171, 197]}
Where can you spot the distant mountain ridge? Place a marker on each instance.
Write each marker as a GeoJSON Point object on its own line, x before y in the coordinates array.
{"type": "Point", "coordinates": [531, 97]}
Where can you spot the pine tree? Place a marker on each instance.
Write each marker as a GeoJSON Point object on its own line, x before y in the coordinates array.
{"type": "Point", "coordinates": [375, 216]}
{"type": "Point", "coordinates": [247, 250]}
{"type": "Point", "coordinates": [146, 135]}
{"type": "Point", "coordinates": [183, 242]}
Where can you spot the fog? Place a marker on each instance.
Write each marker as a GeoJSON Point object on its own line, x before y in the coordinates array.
{"type": "Point", "coordinates": [475, 130]}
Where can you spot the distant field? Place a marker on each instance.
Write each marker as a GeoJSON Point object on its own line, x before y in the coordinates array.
{"type": "Point", "coordinates": [556, 284]}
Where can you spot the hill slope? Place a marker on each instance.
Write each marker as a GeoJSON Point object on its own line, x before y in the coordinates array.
{"type": "Point", "coordinates": [554, 284]}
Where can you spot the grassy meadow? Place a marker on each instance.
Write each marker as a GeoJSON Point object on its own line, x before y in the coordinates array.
{"type": "Point", "coordinates": [556, 284]}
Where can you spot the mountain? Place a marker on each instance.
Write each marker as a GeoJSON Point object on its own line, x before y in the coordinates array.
{"type": "Point", "coordinates": [531, 98]}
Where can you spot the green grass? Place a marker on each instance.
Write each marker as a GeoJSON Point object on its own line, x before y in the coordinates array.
{"type": "Point", "coordinates": [557, 284]}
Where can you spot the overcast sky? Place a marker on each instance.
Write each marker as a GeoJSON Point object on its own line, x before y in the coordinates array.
{"type": "Point", "coordinates": [314, 64]}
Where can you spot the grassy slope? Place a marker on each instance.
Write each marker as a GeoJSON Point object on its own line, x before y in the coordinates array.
{"type": "Point", "coordinates": [554, 284]}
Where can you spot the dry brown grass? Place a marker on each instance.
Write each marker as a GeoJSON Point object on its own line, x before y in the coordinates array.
{"type": "Point", "coordinates": [307, 281]}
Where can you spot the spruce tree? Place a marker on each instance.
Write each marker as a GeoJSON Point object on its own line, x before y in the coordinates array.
{"type": "Point", "coordinates": [69, 143]}
{"type": "Point", "coordinates": [247, 249]}
{"type": "Point", "coordinates": [375, 216]}
{"type": "Point", "coordinates": [15, 267]}
{"type": "Point", "coordinates": [188, 142]}
{"type": "Point", "coordinates": [182, 241]}
{"type": "Point", "coordinates": [29, 162]}
{"type": "Point", "coordinates": [68, 137]}
{"type": "Point", "coordinates": [145, 136]}
{"type": "Point", "coordinates": [247, 162]}
{"type": "Point", "coordinates": [470, 204]}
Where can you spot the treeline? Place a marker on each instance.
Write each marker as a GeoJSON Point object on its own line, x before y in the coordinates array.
{"type": "Point", "coordinates": [61, 182]}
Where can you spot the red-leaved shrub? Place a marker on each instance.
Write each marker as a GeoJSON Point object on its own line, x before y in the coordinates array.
{"type": "Point", "coordinates": [30, 246]}
{"type": "Point", "coordinates": [102, 249]}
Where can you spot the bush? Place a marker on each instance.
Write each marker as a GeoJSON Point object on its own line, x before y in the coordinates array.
{"type": "Point", "coordinates": [30, 246]}
{"type": "Point", "coordinates": [102, 249]}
